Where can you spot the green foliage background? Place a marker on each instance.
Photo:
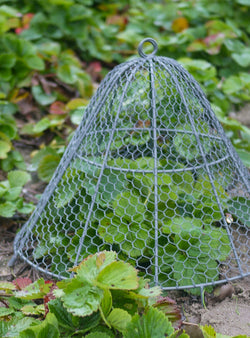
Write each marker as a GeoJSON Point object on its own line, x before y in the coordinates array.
{"type": "Point", "coordinates": [53, 54]}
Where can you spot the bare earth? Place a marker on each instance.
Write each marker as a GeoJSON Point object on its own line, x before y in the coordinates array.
{"type": "Point", "coordinates": [231, 316]}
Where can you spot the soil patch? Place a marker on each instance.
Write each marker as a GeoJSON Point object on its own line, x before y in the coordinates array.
{"type": "Point", "coordinates": [231, 316]}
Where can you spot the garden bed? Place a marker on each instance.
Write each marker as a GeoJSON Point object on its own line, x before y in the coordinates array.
{"type": "Point", "coordinates": [228, 315]}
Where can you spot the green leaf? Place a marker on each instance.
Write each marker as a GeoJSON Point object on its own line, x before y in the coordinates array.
{"type": "Point", "coordinates": [19, 326]}
{"type": "Point", "coordinates": [186, 144]}
{"type": "Point", "coordinates": [68, 188]}
{"type": "Point", "coordinates": [7, 209]}
{"type": "Point", "coordinates": [204, 186]}
{"type": "Point", "coordinates": [151, 292]}
{"type": "Point", "coordinates": [35, 62]}
{"type": "Point", "coordinates": [180, 224]}
{"type": "Point", "coordinates": [35, 290]}
{"type": "Point", "coordinates": [18, 303]}
{"type": "Point", "coordinates": [41, 250]}
{"type": "Point", "coordinates": [76, 115]}
{"type": "Point", "coordinates": [139, 163]}
{"type": "Point", "coordinates": [47, 329]}
{"type": "Point", "coordinates": [184, 181]}
{"type": "Point", "coordinates": [240, 208]}
{"type": "Point", "coordinates": [7, 60]}
{"type": "Point", "coordinates": [7, 286]}
{"type": "Point", "coordinates": [33, 310]}
{"type": "Point", "coordinates": [5, 74]}
{"type": "Point", "coordinates": [8, 128]}
{"type": "Point", "coordinates": [89, 269]}
{"type": "Point", "coordinates": [98, 334]}
{"type": "Point", "coordinates": [12, 194]}
{"type": "Point", "coordinates": [5, 311]}
{"type": "Point", "coordinates": [4, 326]}
{"type": "Point", "coordinates": [119, 319]}
{"type": "Point", "coordinates": [24, 208]}
{"type": "Point", "coordinates": [8, 11]}
{"type": "Point", "coordinates": [69, 73]}
{"type": "Point", "coordinates": [18, 178]}
{"type": "Point", "coordinates": [110, 187]}
{"type": "Point", "coordinates": [39, 156]}
{"type": "Point", "coordinates": [63, 317]}
{"type": "Point", "coordinates": [242, 58]}
{"type": "Point", "coordinates": [4, 187]}
{"type": "Point", "coordinates": [200, 69]}
{"type": "Point", "coordinates": [233, 45]}
{"type": "Point", "coordinates": [106, 303]}
{"type": "Point", "coordinates": [111, 183]}
{"type": "Point", "coordinates": [215, 242]}
{"type": "Point", "coordinates": [81, 299]}
{"type": "Point", "coordinates": [130, 234]}
{"type": "Point", "coordinates": [42, 98]}
{"type": "Point", "coordinates": [47, 167]}
{"type": "Point", "coordinates": [90, 323]}
{"type": "Point", "coordinates": [14, 160]}
{"type": "Point", "coordinates": [69, 322]}
{"type": "Point", "coordinates": [128, 301]}
{"type": "Point", "coordinates": [208, 331]}
{"type": "Point", "coordinates": [42, 125]}
{"type": "Point", "coordinates": [8, 108]}
{"type": "Point", "coordinates": [50, 48]}
{"type": "Point", "coordinates": [151, 324]}
{"type": "Point", "coordinates": [232, 85]}
{"type": "Point", "coordinates": [5, 147]}
{"type": "Point", "coordinates": [129, 204]}
{"type": "Point", "coordinates": [192, 268]}
{"type": "Point", "coordinates": [118, 275]}
{"type": "Point", "coordinates": [179, 334]}
{"type": "Point", "coordinates": [243, 2]}
{"type": "Point", "coordinates": [244, 156]}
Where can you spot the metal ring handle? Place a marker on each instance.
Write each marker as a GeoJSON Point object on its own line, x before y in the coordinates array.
{"type": "Point", "coordinates": [140, 47]}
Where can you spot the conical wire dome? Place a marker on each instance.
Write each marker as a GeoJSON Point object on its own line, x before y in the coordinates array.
{"type": "Point", "coordinates": [150, 174]}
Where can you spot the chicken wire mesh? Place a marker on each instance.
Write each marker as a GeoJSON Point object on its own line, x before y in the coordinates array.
{"type": "Point", "coordinates": [150, 174]}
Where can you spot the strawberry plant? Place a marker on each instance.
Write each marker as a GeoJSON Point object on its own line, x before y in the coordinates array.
{"type": "Point", "coordinates": [9, 157]}
{"type": "Point", "coordinates": [10, 190]}
{"type": "Point", "coordinates": [192, 242]}
{"type": "Point", "coordinates": [105, 298]}
{"type": "Point", "coordinates": [188, 214]}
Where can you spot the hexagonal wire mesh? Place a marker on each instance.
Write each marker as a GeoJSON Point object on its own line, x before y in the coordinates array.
{"type": "Point", "coordinates": [150, 174]}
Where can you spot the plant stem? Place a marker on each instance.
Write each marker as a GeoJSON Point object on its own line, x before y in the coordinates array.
{"type": "Point", "coordinates": [149, 193]}
{"type": "Point", "coordinates": [5, 295]}
{"type": "Point", "coordinates": [4, 302]}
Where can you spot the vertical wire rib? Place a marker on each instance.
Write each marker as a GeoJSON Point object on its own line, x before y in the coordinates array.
{"type": "Point", "coordinates": [103, 165]}
{"type": "Point", "coordinates": [67, 157]}
{"type": "Point", "coordinates": [210, 175]}
{"type": "Point", "coordinates": [155, 172]}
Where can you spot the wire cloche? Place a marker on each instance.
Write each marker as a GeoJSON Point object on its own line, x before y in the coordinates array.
{"type": "Point", "coordinates": [150, 174]}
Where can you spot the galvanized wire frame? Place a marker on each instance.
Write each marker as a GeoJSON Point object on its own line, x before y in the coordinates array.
{"type": "Point", "coordinates": [151, 174]}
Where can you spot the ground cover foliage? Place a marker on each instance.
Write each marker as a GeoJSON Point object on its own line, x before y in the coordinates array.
{"type": "Point", "coordinates": [53, 53]}
{"type": "Point", "coordinates": [105, 298]}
